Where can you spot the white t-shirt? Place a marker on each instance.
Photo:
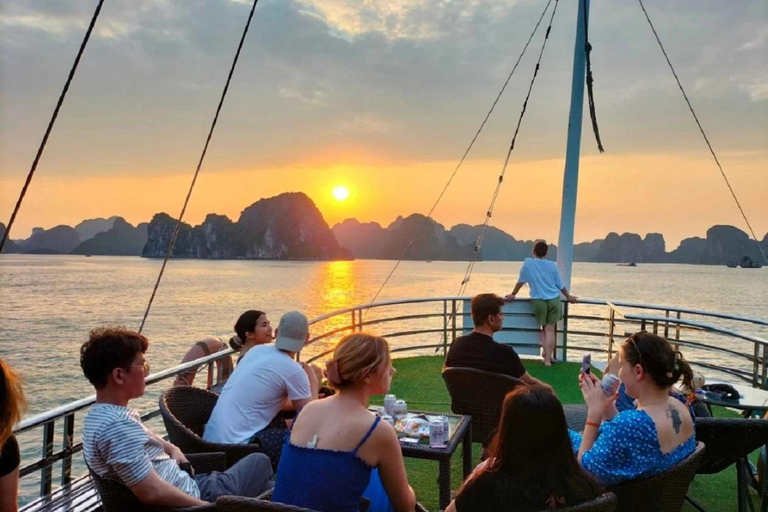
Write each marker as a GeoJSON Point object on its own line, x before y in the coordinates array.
{"type": "Point", "coordinates": [542, 277]}
{"type": "Point", "coordinates": [254, 394]}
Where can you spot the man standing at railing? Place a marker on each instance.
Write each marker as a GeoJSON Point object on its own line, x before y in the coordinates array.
{"type": "Point", "coordinates": [117, 446]}
{"type": "Point", "coordinates": [546, 285]}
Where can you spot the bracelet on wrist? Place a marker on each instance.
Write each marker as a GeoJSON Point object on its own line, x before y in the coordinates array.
{"type": "Point", "coordinates": [592, 424]}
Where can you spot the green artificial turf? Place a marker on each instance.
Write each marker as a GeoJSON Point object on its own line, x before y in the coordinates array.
{"type": "Point", "coordinates": [418, 381]}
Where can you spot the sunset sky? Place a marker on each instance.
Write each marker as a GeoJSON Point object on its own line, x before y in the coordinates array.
{"type": "Point", "coordinates": [383, 97]}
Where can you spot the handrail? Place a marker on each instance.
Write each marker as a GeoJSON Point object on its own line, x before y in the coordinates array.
{"type": "Point", "coordinates": [53, 414]}
{"type": "Point", "coordinates": [426, 324]}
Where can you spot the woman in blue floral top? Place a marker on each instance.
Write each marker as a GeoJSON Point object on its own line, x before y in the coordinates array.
{"type": "Point", "coordinates": [655, 436]}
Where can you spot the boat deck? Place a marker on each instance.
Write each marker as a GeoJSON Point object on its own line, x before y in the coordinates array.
{"type": "Point", "coordinates": [418, 381]}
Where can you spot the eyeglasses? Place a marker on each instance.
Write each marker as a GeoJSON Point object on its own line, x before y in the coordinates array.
{"type": "Point", "coordinates": [144, 366]}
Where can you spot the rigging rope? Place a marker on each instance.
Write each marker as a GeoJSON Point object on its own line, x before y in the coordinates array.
{"type": "Point", "coordinates": [50, 124]}
{"type": "Point", "coordinates": [489, 213]}
{"type": "Point", "coordinates": [464, 156]}
{"type": "Point", "coordinates": [172, 242]}
{"type": "Point", "coordinates": [701, 129]}
{"type": "Point", "coordinates": [590, 81]}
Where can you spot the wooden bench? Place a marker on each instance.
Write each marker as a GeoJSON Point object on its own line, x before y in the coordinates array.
{"type": "Point", "coordinates": [80, 495]}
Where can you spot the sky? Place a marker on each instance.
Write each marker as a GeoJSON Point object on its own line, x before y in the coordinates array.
{"type": "Point", "coordinates": [383, 97]}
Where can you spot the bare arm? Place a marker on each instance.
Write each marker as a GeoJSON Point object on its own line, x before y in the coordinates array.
{"type": "Point", "coordinates": [153, 490]}
{"type": "Point", "coordinates": [392, 469]}
{"type": "Point", "coordinates": [9, 490]}
{"type": "Point", "coordinates": [512, 295]}
{"type": "Point", "coordinates": [568, 296]}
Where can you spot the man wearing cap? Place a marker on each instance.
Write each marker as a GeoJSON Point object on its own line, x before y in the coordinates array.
{"type": "Point", "coordinates": [264, 380]}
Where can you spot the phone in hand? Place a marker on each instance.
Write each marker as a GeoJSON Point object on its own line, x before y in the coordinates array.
{"type": "Point", "coordinates": [586, 364]}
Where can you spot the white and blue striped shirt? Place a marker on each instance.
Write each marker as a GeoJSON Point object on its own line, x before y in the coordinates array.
{"type": "Point", "coordinates": [118, 446]}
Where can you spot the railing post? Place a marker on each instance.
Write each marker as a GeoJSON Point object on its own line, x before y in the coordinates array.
{"type": "Point", "coordinates": [354, 321]}
{"type": "Point", "coordinates": [209, 380]}
{"type": "Point", "coordinates": [756, 354]}
{"type": "Point", "coordinates": [656, 327]}
{"type": "Point", "coordinates": [565, 332]}
{"type": "Point", "coordinates": [764, 384]}
{"type": "Point", "coordinates": [445, 328]}
{"type": "Point", "coordinates": [360, 320]}
{"type": "Point", "coordinates": [66, 445]}
{"type": "Point", "coordinates": [642, 324]}
{"type": "Point", "coordinates": [611, 317]}
{"type": "Point", "coordinates": [453, 322]}
{"type": "Point", "coordinates": [46, 475]}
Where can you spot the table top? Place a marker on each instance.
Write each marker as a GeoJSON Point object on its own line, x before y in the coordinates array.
{"type": "Point", "coordinates": [459, 425]}
{"type": "Point", "coordinates": [753, 399]}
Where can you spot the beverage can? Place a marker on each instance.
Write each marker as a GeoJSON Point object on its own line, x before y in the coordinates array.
{"type": "Point", "coordinates": [389, 419]}
{"type": "Point", "coordinates": [610, 384]}
{"type": "Point", "coordinates": [401, 409]}
{"type": "Point", "coordinates": [381, 411]}
{"type": "Point", "coordinates": [389, 404]}
{"type": "Point", "coordinates": [436, 433]}
{"type": "Point", "coordinates": [446, 428]}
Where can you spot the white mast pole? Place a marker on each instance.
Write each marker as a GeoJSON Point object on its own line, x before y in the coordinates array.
{"type": "Point", "coordinates": [571, 173]}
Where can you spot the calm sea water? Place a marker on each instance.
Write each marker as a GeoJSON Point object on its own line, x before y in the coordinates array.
{"type": "Point", "coordinates": [49, 303]}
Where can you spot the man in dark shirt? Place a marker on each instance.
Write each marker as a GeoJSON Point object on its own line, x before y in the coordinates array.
{"type": "Point", "coordinates": [478, 350]}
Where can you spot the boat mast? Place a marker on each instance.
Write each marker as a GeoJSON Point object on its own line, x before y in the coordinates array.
{"type": "Point", "coordinates": [571, 173]}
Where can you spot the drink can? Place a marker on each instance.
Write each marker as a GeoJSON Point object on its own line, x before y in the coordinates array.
{"type": "Point", "coordinates": [610, 384]}
{"type": "Point", "coordinates": [389, 419]}
{"type": "Point", "coordinates": [446, 428]}
{"type": "Point", "coordinates": [436, 433]}
{"type": "Point", "coordinates": [401, 409]}
{"type": "Point", "coordinates": [389, 404]}
{"type": "Point", "coordinates": [381, 411]}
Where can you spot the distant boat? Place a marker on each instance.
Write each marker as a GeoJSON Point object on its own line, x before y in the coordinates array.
{"type": "Point", "coordinates": [87, 255]}
{"type": "Point", "coordinates": [630, 264]}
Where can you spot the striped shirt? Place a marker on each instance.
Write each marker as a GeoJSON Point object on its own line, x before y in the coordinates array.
{"type": "Point", "coordinates": [118, 446]}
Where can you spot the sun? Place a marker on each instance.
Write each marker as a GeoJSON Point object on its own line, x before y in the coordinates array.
{"type": "Point", "coordinates": [340, 193]}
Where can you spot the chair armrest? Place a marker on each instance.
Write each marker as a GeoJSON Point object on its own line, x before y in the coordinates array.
{"type": "Point", "coordinates": [420, 508]}
{"type": "Point", "coordinates": [207, 462]}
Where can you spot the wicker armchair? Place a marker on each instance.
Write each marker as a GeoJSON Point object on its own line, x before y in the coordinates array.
{"type": "Point", "coordinates": [575, 416]}
{"type": "Point", "coordinates": [116, 497]}
{"type": "Point", "coordinates": [185, 411]}
{"type": "Point", "coordinates": [479, 394]}
{"type": "Point", "coordinates": [729, 441]}
{"type": "Point", "coordinates": [664, 492]}
{"type": "Point", "coordinates": [603, 503]}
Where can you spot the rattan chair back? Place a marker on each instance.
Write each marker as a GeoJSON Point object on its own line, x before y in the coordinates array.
{"type": "Point", "coordinates": [185, 411]}
{"type": "Point", "coordinates": [664, 492]}
{"type": "Point", "coordinates": [728, 440]}
{"type": "Point", "coordinates": [481, 395]}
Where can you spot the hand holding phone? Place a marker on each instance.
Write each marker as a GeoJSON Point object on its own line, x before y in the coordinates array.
{"type": "Point", "coordinates": [586, 364]}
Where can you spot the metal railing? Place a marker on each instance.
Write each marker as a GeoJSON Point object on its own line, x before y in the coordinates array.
{"type": "Point", "coordinates": [590, 325]}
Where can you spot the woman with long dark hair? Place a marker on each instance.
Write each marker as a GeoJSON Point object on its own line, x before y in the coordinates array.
{"type": "Point", "coordinates": [646, 440]}
{"type": "Point", "coordinates": [531, 465]}
{"type": "Point", "coordinates": [12, 405]}
{"type": "Point", "coordinates": [251, 329]}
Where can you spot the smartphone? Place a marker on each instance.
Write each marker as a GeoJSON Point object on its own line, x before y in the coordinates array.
{"type": "Point", "coordinates": [586, 364]}
{"type": "Point", "coordinates": [409, 440]}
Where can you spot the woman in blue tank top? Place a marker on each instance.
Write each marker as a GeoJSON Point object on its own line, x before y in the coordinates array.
{"type": "Point", "coordinates": [336, 443]}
